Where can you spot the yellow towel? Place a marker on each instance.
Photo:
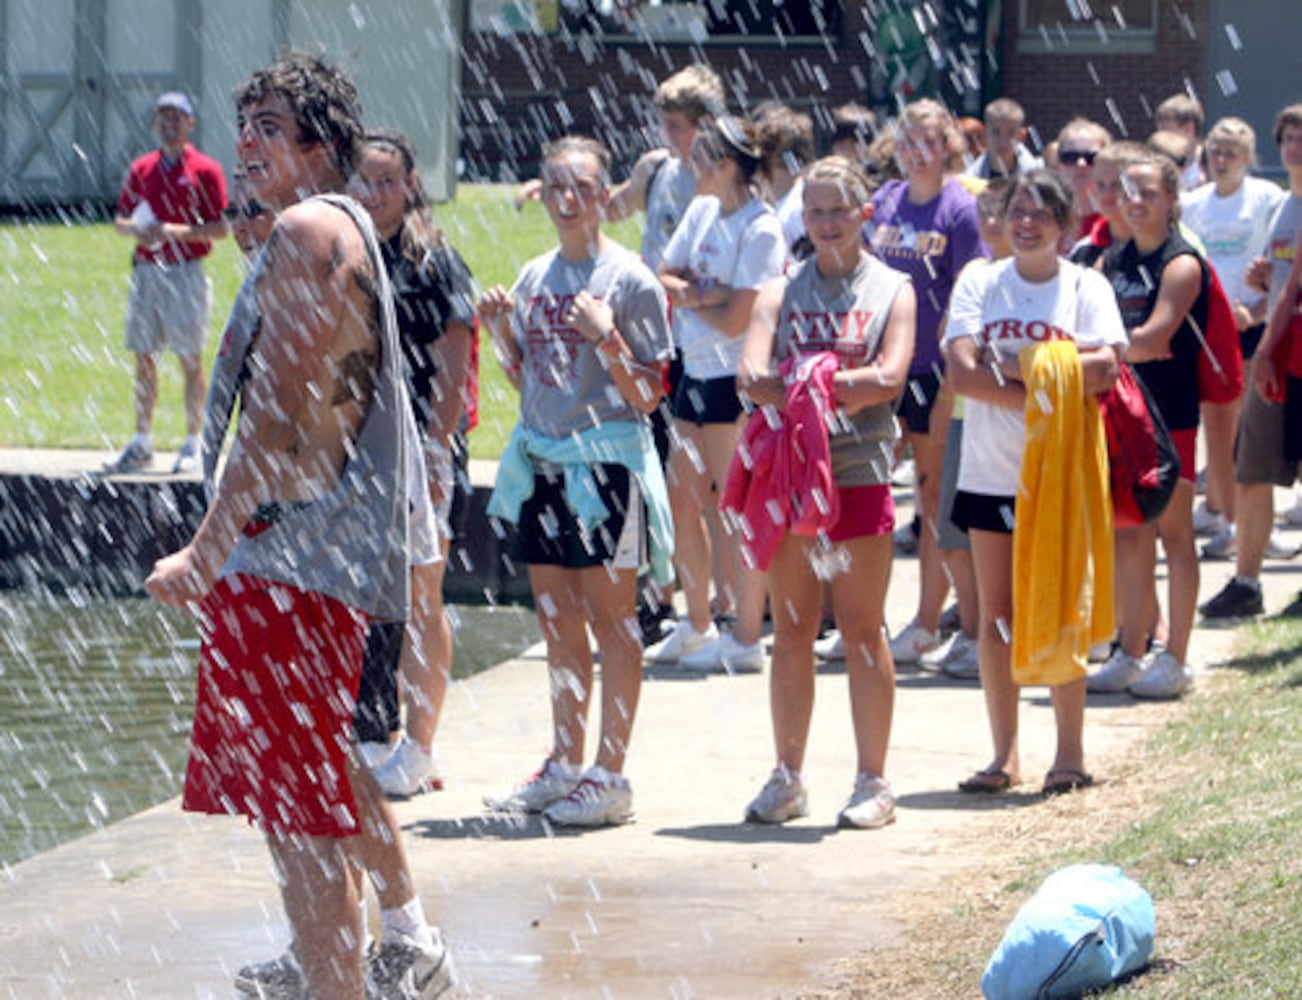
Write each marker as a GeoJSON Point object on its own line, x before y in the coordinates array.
{"type": "Point", "coordinates": [1062, 544]}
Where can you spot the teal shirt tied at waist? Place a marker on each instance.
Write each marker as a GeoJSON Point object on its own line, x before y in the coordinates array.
{"type": "Point", "coordinates": [616, 442]}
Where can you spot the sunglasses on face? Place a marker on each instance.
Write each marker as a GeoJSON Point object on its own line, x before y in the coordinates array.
{"type": "Point", "coordinates": [1071, 157]}
{"type": "Point", "coordinates": [249, 210]}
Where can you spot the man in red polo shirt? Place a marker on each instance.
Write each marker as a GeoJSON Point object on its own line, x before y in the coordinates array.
{"type": "Point", "coordinates": [171, 205]}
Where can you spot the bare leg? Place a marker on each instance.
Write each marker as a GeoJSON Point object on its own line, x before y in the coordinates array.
{"type": "Point", "coordinates": [196, 393]}
{"type": "Point", "coordinates": [321, 902]}
{"type": "Point", "coordinates": [992, 557]}
{"type": "Point", "coordinates": [561, 613]}
{"type": "Point", "coordinates": [963, 576]}
{"type": "Point", "coordinates": [719, 442]}
{"type": "Point", "coordinates": [928, 459]}
{"type": "Point", "coordinates": [146, 392]}
{"type": "Point", "coordinates": [797, 597]}
{"type": "Point", "coordinates": [1220, 423]}
{"type": "Point", "coordinates": [689, 493]}
{"type": "Point", "coordinates": [860, 601]}
{"type": "Point", "coordinates": [379, 849]}
{"type": "Point", "coordinates": [1175, 528]}
{"type": "Point", "coordinates": [1069, 715]}
{"type": "Point", "coordinates": [1255, 512]}
{"type": "Point", "coordinates": [426, 663]}
{"type": "Point", "coordinates": [610, 598]}
{"type": "Point", "coordinates": [1136, 588]}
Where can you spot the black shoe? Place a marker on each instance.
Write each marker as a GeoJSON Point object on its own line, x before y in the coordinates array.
{"type": "Point", "coordinates": [1236, 600]}
{"type": "Point", "coordinates": [1294, 608]}
{"type": "Point", "coordinates": [655, 623]}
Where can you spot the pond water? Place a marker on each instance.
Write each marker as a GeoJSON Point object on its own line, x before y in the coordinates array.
{"type": "Point", "coordinates": [96, 699]}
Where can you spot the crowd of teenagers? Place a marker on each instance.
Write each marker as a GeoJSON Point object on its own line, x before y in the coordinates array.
{"type": "Point", "coordinates": [708, 433]}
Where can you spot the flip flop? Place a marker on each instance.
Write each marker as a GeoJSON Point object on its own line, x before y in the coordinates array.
{"type": "Point", "coordinates": [1074, 781]}
{"type": "Point", "coordinates": [987, 783]}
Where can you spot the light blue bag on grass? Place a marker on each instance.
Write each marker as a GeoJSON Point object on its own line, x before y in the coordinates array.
{"type": "Point", "coordinates": [1085, 927]}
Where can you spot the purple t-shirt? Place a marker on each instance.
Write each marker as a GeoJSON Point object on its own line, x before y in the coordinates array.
{"type": "Point", "coordinates": [931, 243]}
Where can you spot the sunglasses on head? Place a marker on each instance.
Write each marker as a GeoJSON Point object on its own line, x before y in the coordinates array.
{"type": "Point", "coordinates": [1074, 156]}
{"type": "Point", "coordinates": [249, 210]}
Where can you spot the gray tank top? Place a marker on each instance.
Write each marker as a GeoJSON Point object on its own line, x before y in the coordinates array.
{"type": "Point", "coordinates": [352, 542]}
{"type": "Point", "coordinates": [847, 317]}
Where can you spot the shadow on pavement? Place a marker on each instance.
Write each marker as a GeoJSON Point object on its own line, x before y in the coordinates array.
{"type": "Point", "coordinates": [749, 833]}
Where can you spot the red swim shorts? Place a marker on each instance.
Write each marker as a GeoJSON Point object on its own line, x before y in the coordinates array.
{"type": "Point", "coordinates": [865, 511]}
{"type": "Point", "coordinates": [273, 718]}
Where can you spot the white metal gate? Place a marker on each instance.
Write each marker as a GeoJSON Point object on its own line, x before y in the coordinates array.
{"type": "Point", "coordinates": [77, 79]}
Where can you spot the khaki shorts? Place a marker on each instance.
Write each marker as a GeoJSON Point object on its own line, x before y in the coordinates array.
{"type": "Point", "coordinates": [1259, 448]}
{"type": "Point", "coordinates": [168, 306]}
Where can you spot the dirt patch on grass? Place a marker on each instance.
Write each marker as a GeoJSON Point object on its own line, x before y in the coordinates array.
{"type": "Point", "coordinates": [953, 932]}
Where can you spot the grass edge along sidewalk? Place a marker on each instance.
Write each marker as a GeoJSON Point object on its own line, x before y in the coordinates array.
{"type": "Point", "coordinates": [1205, 817]}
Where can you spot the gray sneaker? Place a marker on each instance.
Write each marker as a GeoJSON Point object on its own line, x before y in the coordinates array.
{"type": "Point", "coordinates": [961, 661]}
{"type": "Point", "coordinates": [782, 798]}
{"type": "Point", "coordinates": [601, 798]}
{"type": "Point", "coordinates": [1116, 675]}
{"type": "Point", "coordinates": [399, 969]}
{"type": "Point", "coordinates": [278, 978]}
{"type": "Point", "coordinates": [552, 782]}
{"type": "Point", "coordinates": [134, 457]}
{"type": "Point", "coordinates": [187, 459]}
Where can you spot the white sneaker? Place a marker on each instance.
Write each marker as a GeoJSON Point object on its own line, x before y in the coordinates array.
{"type": "Point", "coordinates": [1293, 516]}
{"type": "Point", "coordinates": [187, 459]}
{"type": "Point", "coordinates": [1116, 675]}
{"type": "Point", "coordinates": [912, 643]}
{"type": "Point", "coordinates": [278, 978]}
{"type": "Point", "coordinates": [553, 781]}
{"type": "Point", "coordinates": [830, 647]}
{"type": "Point", "coordinates": [401, 969]}
{"type": "Point", "coordinates": [599, 799]}
{"type": "Point", "coordinates": [870, 806]}
{"type": "Point", "coordinates": [682, 640]}
{"type": "Point", "coordinates": [960, 661]}
{"type": "Point", "coordinates": [725, 655]}
{"type": "Point", "coordinates": [782, 798]}
{"type": "Point", "coordinates": [1207, 521]}
{"type": "Point", "coordinates": [1279, 547]}
{"type": "Point", "coordinates": [408, 771]}
{"type": "Point", "coordinates": [1223, 545]}
{"type": "Point", "coordinates": [374, 753]}
{"type": "Point", "coordinates": [1100, 652]}
{"type": "Point", "coordinates": [1164, 679]}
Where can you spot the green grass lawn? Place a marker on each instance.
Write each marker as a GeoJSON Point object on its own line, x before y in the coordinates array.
{"type": "Point", "coordinates": [65, 378]}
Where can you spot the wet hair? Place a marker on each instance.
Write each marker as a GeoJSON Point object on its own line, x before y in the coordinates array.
{"type": "Point", "coordinates": [1236, 131]}
{"type": "Point", "coordinates": [1078, 126]}
{"type": "Point", "coordinates": [1167, 171]}
{"type": "Point", "coordinates": [1180, 109]}
{"type": "Point", "coordinates": [1005, 109]}
{"type": "Point", "coordinates": [787, 135]}
{"type": "Point", "coordinates": [1176, 145]}
{"type": "Point", "coordinates": [731, 138]}
{"type": "Point", "coordinates": [926, 113]}
{"type": "Point", "coordinates": [846, 174]}
{"type": "Point", "coordinates": [322, 98]}
{"type": "Point", "coordinates": [853, 122]}
{"type": "Point", "coordinates": [580, 145]}
{"type": "Point", "coordinates": [1048, 189]}
{"type": "Point", "coordinates": [419, 235]}
{"type": "Point", "coordinates": [1290, 116]}
{"type": "Point", "coordinates": [695, 91]}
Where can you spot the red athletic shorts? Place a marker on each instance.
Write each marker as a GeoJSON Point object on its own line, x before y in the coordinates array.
{"type": "Point", "coordinates": [865, 511]}
{"type": "Point", "coordinates": [273, 718]}
{"type": "Point", "coordinates": [1184, 442]}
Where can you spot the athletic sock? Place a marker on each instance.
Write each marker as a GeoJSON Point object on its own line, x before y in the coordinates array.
{"type": "Point", "coordinates": [408, 921]}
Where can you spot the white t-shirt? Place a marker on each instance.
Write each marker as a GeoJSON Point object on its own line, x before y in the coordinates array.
{"type": "Point", "coordinates": [791, 212]}
{"type": "Point", "coordinates": [1233, 230]}
{"type": "Point", "coordinates": [995, 305]}
{"type": "Point", "coordinates": [741, 250]}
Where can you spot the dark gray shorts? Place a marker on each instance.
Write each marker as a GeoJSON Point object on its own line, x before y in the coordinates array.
{"type": "Point", "coordinates": [1259, 448]}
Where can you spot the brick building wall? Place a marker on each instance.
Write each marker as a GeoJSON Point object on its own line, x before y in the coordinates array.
{"type": "Point", "coordinates": [519, 90]}
{"type": "Point", "coordinates": [1117, 90]}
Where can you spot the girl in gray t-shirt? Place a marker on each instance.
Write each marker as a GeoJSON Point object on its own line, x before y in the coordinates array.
{"type": "Point", "coordinates": [845, 302]}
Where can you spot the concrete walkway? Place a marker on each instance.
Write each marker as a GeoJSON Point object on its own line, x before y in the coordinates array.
{"type": "Point", "coordinates": [686, 902]}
